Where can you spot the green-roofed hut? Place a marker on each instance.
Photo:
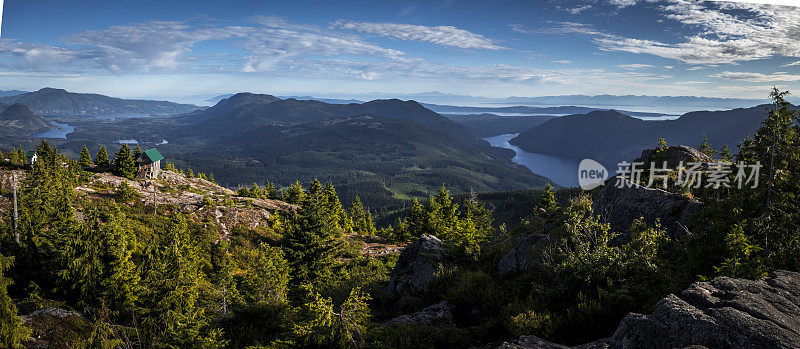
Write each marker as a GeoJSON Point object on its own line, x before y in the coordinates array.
{"type": "Point", "coordinates": [149, 164]}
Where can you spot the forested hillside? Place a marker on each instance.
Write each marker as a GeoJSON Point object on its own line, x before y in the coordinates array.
{"type": "Point", "coordinates": [100, 260]}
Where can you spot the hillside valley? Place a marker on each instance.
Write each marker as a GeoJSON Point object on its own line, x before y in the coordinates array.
{"type": "Point", "coordinates": [59, 102]}
{"type": "Point", "coordinates": [386, 151]}
{"type": "Point", "coordinates": [610, 136]}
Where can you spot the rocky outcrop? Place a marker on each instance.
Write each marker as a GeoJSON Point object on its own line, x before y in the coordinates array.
{"type": "Point", "coordinates": [673, 155]}
{"type": "Point", "coordinates": [620, 206]}
{"type": "Point", "coordinates": [523, 256]}
{"type": "Point", "coordinates": [7, 179]}
{"type": "Point", "coordinates": [417, 267]}
{"type": "Point", "coordinates": [723, 313]}
{"type": "Point", "coordinates": [437, 314]}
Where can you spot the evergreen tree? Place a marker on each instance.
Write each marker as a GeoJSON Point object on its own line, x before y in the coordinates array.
{"type": "Point", "coordinates": [334, 208]}
{"type": "Point", "coordinates": [22, 158]}
{"type": "Point", "coordinates": [361, 219]}
{"type": "Point", "coordinates": [101, 160]}
{"type": "Point", "coordinates": [137, 153]}
{"type": "Point", "coordinates": [46, 217]}
{"type": "Point", "coordinates": [224, 268]}
{"type": "Point", "coordinates": [548, 200]}
{"type": "Point", "coordinates": [172, 279]}
{"type": "Point", "coordinates": [12, 330]}
{"type": "Point", "coordinates": [313, 240]}
{"type": "Point", "coordinates": [267, 279]}
{"type": "Point", "coordinates": [86, 159]}
{"type": "Point", "coordinates": [100, 260]}
{"type": "Point", "coordinates": [706, 148]}
{"type": "Point", "coordinates": [124, 165]}
{"type": "Point", "coordinates": [725, 154]}
{"type": "Point", "coordinates": [295, 194]}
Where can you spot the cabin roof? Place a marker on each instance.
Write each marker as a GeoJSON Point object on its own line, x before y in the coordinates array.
{"type": "Point", "coordinates": [153, 155]}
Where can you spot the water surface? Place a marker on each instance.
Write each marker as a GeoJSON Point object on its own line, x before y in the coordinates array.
{"type": "Point", "coordinates": [561, 171]}
{"type": "Point", "coordinates": [61, 131]}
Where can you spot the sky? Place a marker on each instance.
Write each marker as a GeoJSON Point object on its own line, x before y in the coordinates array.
{"type": "Point", "coordinates": [179, 49]}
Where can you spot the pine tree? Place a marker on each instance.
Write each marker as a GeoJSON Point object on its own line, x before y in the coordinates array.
{"type": "Point", "coordinates": [12, 330]}
{"type": "Point", "coordinates": [100, 260]}
{"type": "Point", "coordinates": [124, 165]}
{"type": "Point", "coordinates": [267, 279]}
{"type": "Point", "coordinates": [137, 153]}
{"type": "Point", "coordinates": [313, 240]}
{"type": "Point", "coordinates": [361, 219]}
{"type": "Point", "coordinates": [725, 154]}
{"type": "Point", "coordinates": [295, 194]}
{"type": "Point", "coordinates": [101, 160]}
{"type": "Point", "coordinates": [22, 159]}
{"type": "Point", "coordinates": [46, 218]}
{"type": "Point", "coordinates": [86, 159]}
{"type": "Point", "coordinates": [224, 268]}
{"type": "Point", "coordinates": [706, 148]}
{"type": "Point", "coordinates": [334, 208]}
{"type": "Point", "coordinates": [172, 279]}
{"type": "Point", "coordinates": [272, 193]}
{"type": "Point", "coordinates": [548, 199]}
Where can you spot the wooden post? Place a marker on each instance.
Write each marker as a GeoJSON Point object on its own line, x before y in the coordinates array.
{"type": "Point", "coordinates": [16, 216]}
{"type": "Point", "coordinates": [155, 202]}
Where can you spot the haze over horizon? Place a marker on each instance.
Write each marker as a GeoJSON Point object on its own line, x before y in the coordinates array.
{"type": "Point", "coordinates": [183, 49]}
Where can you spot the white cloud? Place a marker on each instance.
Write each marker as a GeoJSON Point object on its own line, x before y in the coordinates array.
{"type": "Point", "coordinates": [622, 3]}
{"type": "Point", "coordinates": [440, 35]}
{"type": "Point", "coordinates": [757, 77]}
{"type": "Point", "coordinates": [791, 64]}
{"type": "Point", "coordinates": [560, 28]}
{"type": "Point", "coordinates": [563, 61]}
{"type": "Point", "coordinates": [579, 9]}
{"type": "Point", "coordinates": [635, 66]}
{"type": "Point", "coordinates": [727, 33]}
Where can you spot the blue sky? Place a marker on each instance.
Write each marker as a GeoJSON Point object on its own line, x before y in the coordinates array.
{"type": "Point", "coordinates": [176, 49]}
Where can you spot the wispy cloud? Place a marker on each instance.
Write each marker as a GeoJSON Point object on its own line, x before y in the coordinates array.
{"type": "Point", "coordinates": [757, 77]}
{"type": "Point", "coordinates": [440, 35]}
{"type": "Point", "coordinates": [791, 64]}
{"type": "Point", "coordinates": [635, 66]}
{"type": "Point", "coordinates": [563, 61]}
{"type": "Point", "coordinates": [579, 9]}
{"type": "Point", "coordinates": [755, 32]}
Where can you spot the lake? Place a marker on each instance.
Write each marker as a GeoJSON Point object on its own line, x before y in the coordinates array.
{"type": "Point", "coordinates": [61, 131]}
{"type": "Point", "coordinates": [563, 172]}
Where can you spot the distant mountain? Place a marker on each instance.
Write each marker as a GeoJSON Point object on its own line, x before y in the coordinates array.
{"type": "Point", "coordinates": [632, 102]}
{"type": "Point", "coordinates": [16, 120]}
{"type": "Point", "coordinates": [53, 102]}
{"type": "Point", "coordinates": [488, 125]}
{"type": "Point", "coordinates": [302, 98]}
{"type": "Point", "coordinates": [326, 100]}
{"type": "Point", "coordinates": [562, 110]}
{"type": "Point", "coordinates": [646, 101]}
{"type": "Point", "coordinates": [219, 98]}
{"type": "Point", "coordinates": [246, 110]}
{"type": "Point", "coordinates": [384, 159]}
{"type": "Point", "coordinates": [610, 136]}
{"type": "Point", "coordinates": [11, 93]}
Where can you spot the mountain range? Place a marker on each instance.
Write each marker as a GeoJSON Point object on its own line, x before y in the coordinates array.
{"type": "Point", "coordinates": [17, 121]}
{"type": "Point", "coordinates": [246, 110]}
{"type": "Point", "coordinates": [58, 102]}
{"type": "Point", "coordinates": [11, 93]}
{"type": "Point", "coordinates": [610, 136]}
{"type": "Point", "coordinates": [387, 151]}
{"type": "Point", "coordinates": [528, 110]}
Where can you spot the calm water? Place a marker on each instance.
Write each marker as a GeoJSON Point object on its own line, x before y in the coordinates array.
{"type": "Point", "coordinates": [61, 131]}
{"type": "Point", "coordinates": [563, 172]}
